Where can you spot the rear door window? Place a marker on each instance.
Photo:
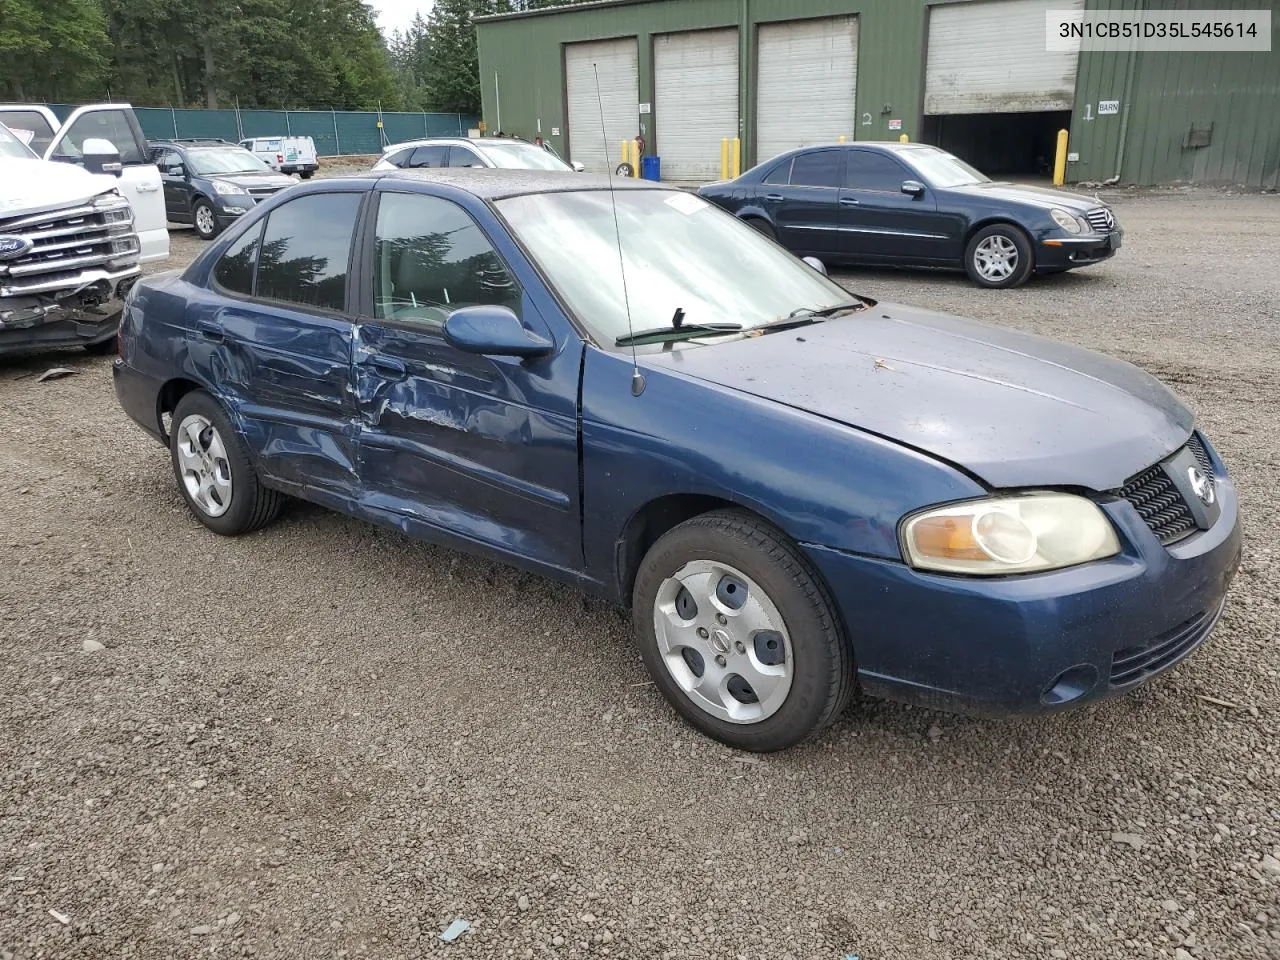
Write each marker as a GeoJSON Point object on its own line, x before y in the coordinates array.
{"type": "Point", "coordinates": [464, 157]}
{"type": "Point", "coordinates": [306, 251]}
{"type": "Point", "coordinates": [821, 168]}
{"type": "Point", "coordinates": [234, 272]}
{"type": "Point", "coordinates": [433, 156]}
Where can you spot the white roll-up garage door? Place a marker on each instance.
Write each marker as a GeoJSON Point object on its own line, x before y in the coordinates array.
{"type": "Point", "coordinates": [695, 100]}
{"type": "Point", "coordinates": [616, 61]}
{"type": "Point", "coordinates": [989, 57]}
{"type": "Point", "coordinates": [807, 72]}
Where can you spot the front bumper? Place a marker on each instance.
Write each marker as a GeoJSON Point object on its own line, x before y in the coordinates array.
{"type": "Point", "coordinates": [83, 311]}
{"type": "Point", "coordinates": [1061, 251]}
{"type": "Point", "coordinates": [1042, 642]}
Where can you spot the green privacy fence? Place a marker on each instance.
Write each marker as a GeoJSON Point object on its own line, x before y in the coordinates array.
{"type": "Point", "coordinates": [335, 132]}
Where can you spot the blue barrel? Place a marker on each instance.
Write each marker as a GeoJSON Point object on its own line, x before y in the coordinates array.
{"type": "Point", "coordinates": [651, 168]}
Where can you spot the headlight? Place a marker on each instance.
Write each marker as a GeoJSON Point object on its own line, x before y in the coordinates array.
{"type": "Point", "coordinates": [1065, 220]}
{"type": "Point", "coordinates": [221, 186]}
{"type": "Point", "coordinates": [1003, 535]}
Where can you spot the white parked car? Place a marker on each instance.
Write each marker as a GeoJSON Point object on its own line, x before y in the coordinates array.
{"type": "Point", "coordinates": [138, 179]}
{"type": "Point", "coordinates": [285, 154]}
{"type": "Point", "coordinates": [500, 152]}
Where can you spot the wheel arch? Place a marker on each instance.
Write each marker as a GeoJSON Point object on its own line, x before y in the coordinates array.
{"type": "Point", "coordinates": [991, 220]}
{"type": "Point", "coordinates": [170, 395]}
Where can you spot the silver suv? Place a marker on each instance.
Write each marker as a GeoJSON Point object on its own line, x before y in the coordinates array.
{"type": "Point", "coordinates": [501, 152]}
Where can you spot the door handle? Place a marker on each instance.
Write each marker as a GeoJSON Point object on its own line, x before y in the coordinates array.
{"type": "Point", "coordinates": [848, 202]}
{"type": "Point", "coordinates": [775, 197]}
{"type": "Point", "coordinates": [210, 330]}
{"type": "Point", "coordinates": [388, 368]}
{"type": "Point", "coordinates": [148, 187]}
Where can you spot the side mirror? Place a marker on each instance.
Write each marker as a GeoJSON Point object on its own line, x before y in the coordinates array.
{"type": "Point", "coordinates": [493, 331]}
{"type": "Point", "coordinates": [101, 156]}
{"type": "Point", "coordinates": [175, 171]}
{"type": "Point", "coordinates": [816, 264]}
{"type": "Point", "coordinates": [912, 188]}
{"type": "Point", "coordinates": [578, 167]}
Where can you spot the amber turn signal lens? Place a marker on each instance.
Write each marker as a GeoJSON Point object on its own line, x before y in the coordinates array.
{"type": "Point", "coordinates": [949, 537]}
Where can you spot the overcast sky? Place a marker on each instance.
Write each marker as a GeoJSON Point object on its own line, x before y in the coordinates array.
{"type": "Point", "coordinates": [397, 14]}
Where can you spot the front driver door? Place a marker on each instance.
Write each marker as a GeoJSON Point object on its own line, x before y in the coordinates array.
{"type": "Point", "coordinates": [881, 223]}
{"type": "Point", "coordinates": [177, 192]}
{"type": "Point", "coordinates": [482, 447]}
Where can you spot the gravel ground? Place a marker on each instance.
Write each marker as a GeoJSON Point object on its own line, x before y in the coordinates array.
{"type": "Point", "coordinates": [324, 740]}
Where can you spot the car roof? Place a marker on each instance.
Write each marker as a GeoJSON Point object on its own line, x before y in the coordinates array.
{"type": "Point", "coordinates": [494, 184]}
{"type": "Point", "coordinates": [430, 140]}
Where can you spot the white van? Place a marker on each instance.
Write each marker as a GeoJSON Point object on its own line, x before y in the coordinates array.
{"type": "Point", "coordinates": [285, 154]}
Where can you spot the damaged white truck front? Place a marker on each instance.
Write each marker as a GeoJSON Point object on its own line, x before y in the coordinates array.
{"type": "Point", "coordinates": [80, 212]}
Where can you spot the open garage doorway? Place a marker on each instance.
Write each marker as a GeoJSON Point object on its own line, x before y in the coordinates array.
{"type": "Point", "coordinates": [1001, 145]}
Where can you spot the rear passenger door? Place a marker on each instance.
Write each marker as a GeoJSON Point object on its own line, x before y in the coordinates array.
{"type": "Point", "coordinates": [482, 447]}
{"type": "Point", "coordinates": [805, 209]}
{"type": "Point", "coordinates": [279, 343]}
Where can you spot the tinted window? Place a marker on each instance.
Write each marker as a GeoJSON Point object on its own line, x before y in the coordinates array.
{"type": "Point", "coordinates": [399, 157]}
{"type": "Point", "coordinates": [234, 271]}
{"type": "Point", "coordinates": [431, 259]}
{"type": "Point", "coordinates": [874, 171]}
{"type": "Point", "coordinates": [167, 159]}
{"type": "Point", "coordinates": [779, 174]}
{"type": "Point", "coordinates": [821, 168]}
{"type": "Point", "coordinates": [305, 250]}
{"type": "Point", "coordinates": [428, 157]}
{"type": "Point", "coordinates": [462, 157]}
{"type": "Point", "coordinates": [110, 125]}
{"type": "Point", "coordinates": [31, 128]}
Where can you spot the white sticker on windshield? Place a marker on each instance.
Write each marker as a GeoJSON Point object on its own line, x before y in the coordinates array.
{"type": "Point", "coordinates": [686, 203]}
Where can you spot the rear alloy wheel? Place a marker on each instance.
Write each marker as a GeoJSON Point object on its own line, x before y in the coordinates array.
{"type": "Point", "coordinates": [999, 256]}
{"type": "Point", "coordinates": [739, 635]}
{"type": "Point", "coordinates": [762, 227]}
{"type": "Point", "coordinates": [213, 470]}
{"type": "Point", "coordinates": [205, 220]}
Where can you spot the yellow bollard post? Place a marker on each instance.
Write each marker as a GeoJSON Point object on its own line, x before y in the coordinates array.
{"type": "Point", "coordinates": [840, 139]}
{"type": "Point", "coordinates": [626, 151]}
{"type": "Point", "coordinates": [1060, 160]}
{"type": "Point", "coordinates": [724, 158]}
{"type": "Point", "coordinates": [904, 139]}
{"type": "Point", "coordinates": [737, 157]}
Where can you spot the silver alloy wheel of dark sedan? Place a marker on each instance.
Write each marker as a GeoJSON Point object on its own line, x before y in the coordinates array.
{"type": "Point", "coordinates": [206, 472]}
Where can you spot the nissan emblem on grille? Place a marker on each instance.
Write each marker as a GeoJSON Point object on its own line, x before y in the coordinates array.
{"type": "Point", "coordinates": [1203, 486]}
{"type": "Point", "coordinates": [12, 247]}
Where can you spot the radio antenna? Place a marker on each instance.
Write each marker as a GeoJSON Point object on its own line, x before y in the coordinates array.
{"type": "Point", "coordinates": [637, 378]}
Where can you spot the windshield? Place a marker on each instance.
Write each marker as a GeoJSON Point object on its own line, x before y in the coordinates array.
{"type": "Point", "coordinates": [680, 253]}
{"type": "Point", "coordinates": [12, 147]}
{"type": "Point", "coordinates": [224, 160]}
{"type": "Point", "coordinates": [940, 168]}
{"type": "Point", "coordinates": [521, 156]}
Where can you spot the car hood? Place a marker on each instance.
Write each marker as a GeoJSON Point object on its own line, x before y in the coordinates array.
{"type": "Point", "coordinates": [1036, 196]}
{"type": "Point", "coordinates": [253, 180]}
{"type": "Point", "coordinates": [1013, 409]}
{"type": "Point", "coordinates": [35, 186]}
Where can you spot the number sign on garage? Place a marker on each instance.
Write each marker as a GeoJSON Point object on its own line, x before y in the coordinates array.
{"type": "Point", "coordinates": [807, 71]}
{"type": "Point", "coordinates": [695, 100]}
{"type": "Point", "coordinates": [616, 62]}
{"type": "Point", "coordinates": [990, 57]}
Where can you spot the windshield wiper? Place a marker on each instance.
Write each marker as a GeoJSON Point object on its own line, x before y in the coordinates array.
{"type": "Point", "coordinates": [683, 331]}
{"type": "Point", "coordinates": [806, 315]}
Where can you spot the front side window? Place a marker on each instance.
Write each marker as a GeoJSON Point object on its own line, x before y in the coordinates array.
{"type": "Point", "coordinates": [865, 170]}
{"type": "Point", "coordinates": [111, 125]}
{"type": "Point", "coordinates": [168, 159]}
{"type": "Point", "coordinates": [234, 272]}
{"type": "Point", "coordinates": [431, 258]}
{"type": "Point", "coordinates": [305, 251]}
{"type": "Point", "coordinates": [680, 252]}
{"type": "Point", "coordinates": [822, 168]}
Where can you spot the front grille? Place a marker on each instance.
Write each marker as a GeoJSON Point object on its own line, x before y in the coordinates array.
{"type": "Point", "coordinates": [1101, 219]}
{"type": "Point", "coordinates": [1160, 505]}
{"type": "Point", "coordinates": [1196, 446]}
{"type": "Point", "coordinates": [67, 241]}
{"type": "Point", "coordinates": [263, 191]}
{"type": "Point", "coordinates": [1135, 664]}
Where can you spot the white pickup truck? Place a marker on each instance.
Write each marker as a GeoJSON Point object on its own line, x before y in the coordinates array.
{"type": "Point", "coordinates": [81, 209]}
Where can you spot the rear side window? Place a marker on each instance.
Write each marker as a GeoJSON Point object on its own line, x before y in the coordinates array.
{"type": "Point", "coordinates": [873, 171]}
{"type": "Point", "coordinates": [306, 247]}
{"type": "Point", "coordinates": [822, 168]}
{"type": "Point", "coordinates": [29, 127]}
{"type": "Point", "coordinates": [781, 174]}
{"type": "Point", "coordinates": [398, 158]}
{"type": "Point", "coordinates": [234, 271]}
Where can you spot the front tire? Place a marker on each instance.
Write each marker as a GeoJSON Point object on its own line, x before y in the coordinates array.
{"type": "Point", "coordinates": [999, 257]}
{"type": "Point", "coordinates": [205, 220]}
{"type": "Point", "coordinates": [739, 634]}
{"type": "Point", "coordinates": [213, 471]}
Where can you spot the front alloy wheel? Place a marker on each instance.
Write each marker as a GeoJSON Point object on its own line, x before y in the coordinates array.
{"type": "Point", "coordinates": [206, 222]}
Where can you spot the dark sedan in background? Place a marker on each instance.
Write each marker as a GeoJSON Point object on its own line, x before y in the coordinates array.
{"type": "Point", "coordinates": [913, 205]}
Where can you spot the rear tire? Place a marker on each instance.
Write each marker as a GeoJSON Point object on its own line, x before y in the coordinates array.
{"type": "Point", "coordinates": [739, 634]}
{"type": "Point", "coordinates": [762, 227]}
{"type": "Point", "coordinates": [999, 257]}
{"type": "Point", "coordinates": [306, 174]}
{"type": "Point", "coordinates": [212, 468]}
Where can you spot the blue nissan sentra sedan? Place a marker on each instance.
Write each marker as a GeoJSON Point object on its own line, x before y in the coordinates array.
{"type": "Point", "coordinates": [798, 493]}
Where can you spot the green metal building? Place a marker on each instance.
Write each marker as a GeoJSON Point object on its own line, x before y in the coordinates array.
{"type": "Point", "coordinates": [972, 76]}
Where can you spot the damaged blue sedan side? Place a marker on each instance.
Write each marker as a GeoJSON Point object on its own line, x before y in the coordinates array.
{"type": "Point", "coordinates": [798, 493]}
